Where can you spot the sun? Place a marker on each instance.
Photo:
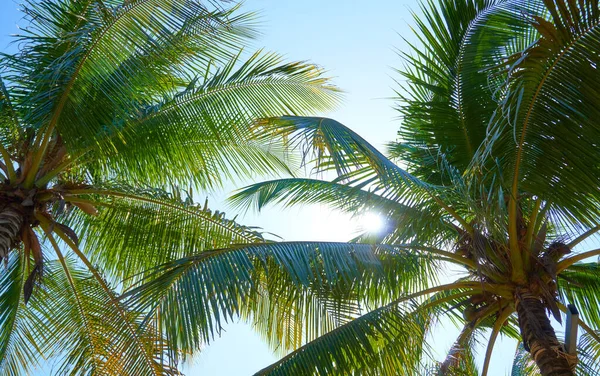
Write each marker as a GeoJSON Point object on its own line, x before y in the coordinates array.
{"type": "Point", "coordinates": [371, 222]}
{"type": "Point", "coordinates": [325, 224]}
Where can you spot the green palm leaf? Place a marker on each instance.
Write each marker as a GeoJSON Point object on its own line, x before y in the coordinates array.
{"type": "Point", "coordinates": [287, 315]}
{"type": "Point", "coordinates": [550, 95]}
{"type": "Point", "coordinates": [88, 42]}
{"type": "Point", "coordinates": [452, 78]}
{"type": "Point", "coordinates": [9, 121]}
{"type": "Point", "coordinates": [336, 147]}
{"type": "Point", "coordinates": [212, 287]}
{"type": "Point", "coordinates": [523, 365]}
{"type": "Point", "coordinates": [205, 130]}
{"type": "Point", "coordinates": [137, 229]}
{"type": "Point", "coordinates": [94, 337]}
{"type": "Point", "coordinates": [353, 345]}
{"type": "Point", "coordinates": [18, 347]}
{"type": "Point", "coordinates": [579, 285]}
{"type": "Point", "coordinates": [589, 354]}
{"type": "Point", "coordinates": [386, 341]}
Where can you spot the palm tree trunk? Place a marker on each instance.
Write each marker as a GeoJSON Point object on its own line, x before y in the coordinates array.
{"type": "Point", "coordinates": [10, 225]}
{"type": "Point", "coordinates": [539, 337]}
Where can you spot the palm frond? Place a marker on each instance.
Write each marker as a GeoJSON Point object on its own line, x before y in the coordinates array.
{"type": "Point", "coordinates": [20, 327]}
{"type": "Point", "coordinates": [460, 359]}
{"type": "Point", "coordinates": [523, 365]}
{"type": "Point", "coordinates": [355, 344]}
{"type": "Point", "coordinates": [588, 351]}
{"type": "Point", "coordinates": [386, 341]}
{"type": "Point", "coordinates": [9, 121]}
{"type": "Point", "coordinates": [579, 285]}
{"type": "Point", "coordinates": [287, 315]}
{"type": "Point", "coordinates": [549, 98]}
{"type": "Point", "coordinates": [402, 222]}
{"type": "Point", "coordinates": [204, 132]}
{"type": "Point", "coordinates": [138, 229]}
{"type": "Point", "coordinates": [452, 77]}
{"type": "Point", "coordinates": [195, 295]}
{"type": "Point", "coordinates": [336, 147]}
{"type": "Point", "coordinates": [98, 333]}
{"type": "Point", "coordinates": [71, 49]}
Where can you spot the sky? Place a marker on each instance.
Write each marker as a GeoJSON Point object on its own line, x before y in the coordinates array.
{"type": "Point", "coordinates": [357, 43]}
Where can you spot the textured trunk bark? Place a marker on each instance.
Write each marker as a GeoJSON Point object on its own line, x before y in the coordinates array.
{"type": "Point", "coordinates": [10, 224]}
{"type": "Point", "coordinates": [539, 337]}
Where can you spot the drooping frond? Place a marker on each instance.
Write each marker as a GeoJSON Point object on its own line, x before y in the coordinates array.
{"type": "Point", "coordinates": [543, 130]}
{"type": "Point", "coordinates": [335, 147]}
{"type": "Point", "coordinates": [355, 344]}
{"type": "Point", "coordinates": [297, 191]}
{"type": "Point", "coordinates": [403, 221]}
{"type": "Point", "coordinates": [523, 365]}
{"type": "Point", "coordinates": [580, 285]}
{"type": "Point", "coordinates": [588, 351]}
{"type": "Point", "coordinates": [386, 341]}
{"type": "Point", "coordinates": [138, 229]}
{"type": "Point", "coordinates": [73, 322]}
{"type": "Point", "coordinates": [10, 126]}
{"type": "Point", "coordinates": [203, 132]}
{"type": "Point", "coordinates": [195, 295]}
{"type": "Point", "coordinates": [452, 77]}
{"type": "Point", "coordinates": [338, 148]}
{"type": "Point", "coordinates": [87, 333]}
{"type": "Point", "coordinates": [460, 360]}
{"type": "Point", "coordinates": [287, 315]}
{"type": "Point", "coordinates": [20, 327]}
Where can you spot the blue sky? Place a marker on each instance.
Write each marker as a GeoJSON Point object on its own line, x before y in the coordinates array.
{"type": "Point", "coordinates": [356, 42]}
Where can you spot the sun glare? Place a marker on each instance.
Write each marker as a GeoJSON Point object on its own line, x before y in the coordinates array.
{"type": "Point", "coordinates": [371, 223]}
{"type": "Point", "coordinates": [324, 224]}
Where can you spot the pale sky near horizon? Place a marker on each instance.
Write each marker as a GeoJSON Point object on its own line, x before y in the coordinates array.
{"type": "Point", "coordinates": [355, 41]}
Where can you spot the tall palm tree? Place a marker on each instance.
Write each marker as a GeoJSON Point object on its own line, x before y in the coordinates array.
{"type": "Point", "coordinates": [107, 107]}
{"type": "Point", "coordinates": [498, 178]}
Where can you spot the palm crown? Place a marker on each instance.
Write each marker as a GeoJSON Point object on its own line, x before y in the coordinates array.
{"type": "Point", "coordinates": [497, 175]}
{"type": "Point", "coordinates": [104, 109]}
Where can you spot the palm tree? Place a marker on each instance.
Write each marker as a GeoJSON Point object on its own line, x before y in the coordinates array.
{"type": "Point", "coordinates": [497, 178]}
{"type": "Point", "coordinates": [107, 108]}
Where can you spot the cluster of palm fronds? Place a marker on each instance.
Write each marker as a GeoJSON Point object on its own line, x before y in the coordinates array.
{"type": "Point", "coordinates": [497, 176]}
{"type": "Point", "coordinates": [104, 97]}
